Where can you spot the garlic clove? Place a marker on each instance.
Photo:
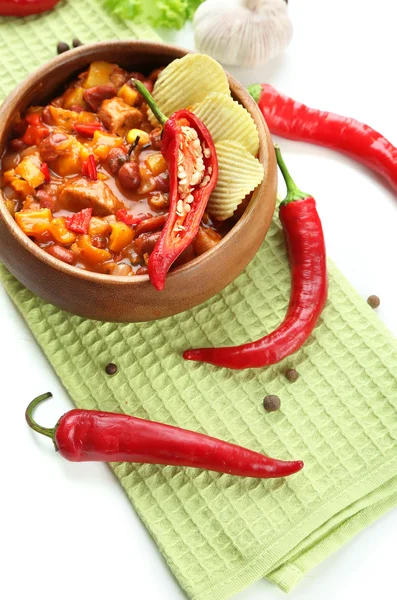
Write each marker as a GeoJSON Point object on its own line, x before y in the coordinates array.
{"type": "Point", "coordinates": [242, 32]}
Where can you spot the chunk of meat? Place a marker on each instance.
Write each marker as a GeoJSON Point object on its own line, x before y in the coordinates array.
{"type": "Point", "coordinates": [96, 95]}
{"type": "Point", "coordinates": [83, 193]}
{"type": "Point", "coordinates": [117, 116]}
{"type": "Point", "coordinates": [52, 146]}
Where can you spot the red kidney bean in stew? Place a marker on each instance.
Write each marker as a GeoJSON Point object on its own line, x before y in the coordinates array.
{"type": "Point", "coordinates": [85, 179]}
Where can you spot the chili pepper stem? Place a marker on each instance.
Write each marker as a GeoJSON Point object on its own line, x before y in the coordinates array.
{"type": "Point", "coordinates": [149, 100]}
{"type": "Point", "coordinates": [32, 423]}
{"type": "Point", "coordinates": [293, 192]}
{"type": "Point", "coordinates": [255, 91]}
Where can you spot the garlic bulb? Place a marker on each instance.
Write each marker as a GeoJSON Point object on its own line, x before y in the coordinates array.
{"type": "Point", "coordinates": [242, 32]}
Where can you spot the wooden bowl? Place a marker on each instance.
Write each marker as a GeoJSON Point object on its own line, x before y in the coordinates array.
{"type": "Point", "coordinates": [111, 298]}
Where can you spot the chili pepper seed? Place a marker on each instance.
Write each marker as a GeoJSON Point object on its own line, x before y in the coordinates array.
{"type": "Point", "coordinates": [271, 403]}
{"type": "Point", "coordinates": [292, 375]}
{"type": "Point", "coordinates": [111, 369]}
{"type": "Point", "coordinates": [62, 47]}
{"type": "Point", "coordinates": [373, 301]}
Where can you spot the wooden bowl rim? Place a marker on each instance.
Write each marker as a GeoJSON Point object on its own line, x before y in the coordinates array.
{"type": "Point", "coordinates": [7, 110]}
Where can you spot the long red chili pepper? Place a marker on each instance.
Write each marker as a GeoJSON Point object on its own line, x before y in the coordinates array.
{"type": "Point", "coordinates": [296, 121]}
{"type": "Point", "coordinates": [187, 147]}
{"type": "Point", "coordinates": [88, 129]}
{"type": "Point", "coordinates": [306, 252]}
{"type": "Point", "coordinates": [86, 435]}
{"type": "Point", "coordinates": [79, 222]}
{"type": "Point", "coordinates": [23, 8]}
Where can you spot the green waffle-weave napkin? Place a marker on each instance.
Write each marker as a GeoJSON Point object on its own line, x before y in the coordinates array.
{"type": "Point", "coordinates": [220, 533]}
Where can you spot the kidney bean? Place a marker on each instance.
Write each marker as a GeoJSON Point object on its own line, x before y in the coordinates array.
{"type": "Point", "coordinates": [155, 73]}
{"type": "Point", "coordinates": [129, 176]}
{"type": "Point", "coordinates": [142, 271]}
{"type": "Point", "coordinates": [46, 116]}
{"type": "Point", "coordinates": [99, 241]}
{"type": "Point", "coordinates": [48, 147]}
{"type": "Point", "coordinates": [17, 145]}
{"type": "Point", "coordinates": [61, 253]}
{"type": "Point", "coordinates": [148, 85]}
{"type": "Point", "coordinates": [115, 160]}
{"type": "Point", "coordinates": [151, 224]}
{"type": "Point", "coordinates": [145, 243]}
{"type": "Point", "coordinates": [47, 200]}
{"type": "Point", "coordinates": [94, 96]}
{"type": "Point", "coordinates": [136, 75]}
{"type": "Point", "coordinates": [162, 182]}
{"type": "Point", "coordinates": [155, 138]}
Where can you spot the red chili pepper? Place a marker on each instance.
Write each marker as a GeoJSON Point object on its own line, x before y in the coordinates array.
{"type": "Point", "coordinates": [80, 221]}
{"type": "Point", "coordinates": [306, 251]}
{"type": "Point", "coordinates": [46, 172]}
{"type": "Point", "coordinates": [87, 129]}
{"type": "Point", "coordinates": [35, 131]}
{"type": "Point", "coordinates": [88, 168]}
{"type": "Point", "coordinates": [186, 210]}
{"type": "Point", "coordinates": [89, 435]}
{"type": "Point", "coordinates": [23, 8]}
{"type": "Point", "coordinates": [127, 218]}
{"type": "Point", "coordinates": [295, 121]}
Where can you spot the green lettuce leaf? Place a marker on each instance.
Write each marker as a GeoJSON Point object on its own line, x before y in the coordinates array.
{"type": "Point", "coordinates": [159, 13]}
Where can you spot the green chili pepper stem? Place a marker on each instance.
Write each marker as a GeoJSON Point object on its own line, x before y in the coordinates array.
{"type": "Point", "coordinates": [293, 192]}
{"type": "Point", "coordinates": [150, 100]}
{"type": "Point", "coordinates": [32, 423]}
{"type": "Point", "coordinates": [255, 91]}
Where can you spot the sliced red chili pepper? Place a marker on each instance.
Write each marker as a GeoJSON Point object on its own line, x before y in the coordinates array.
{"type": "Point", "coordinates": [88, 129]}
{"type": "Point", "coordinates": [80, 221]}
{"type": "Point", "coordinates": [151, 224]}
{"type": "Point", "coordinates": [186, 209]}
{"type": "Point", "coordinates": [23, 8]}
{"type": "Point", "coordinates": [46, 172]}
{"type": "Point", "coordinates": [88, 168]}
{"type": "Point", "coordinates": [293, 120]}
{"type": "Point", "coordinates": [127, 218]}
{"type": "Point", "coordinates": [88, 435]}
{"type": "Point", "coordinates": [306, 251]}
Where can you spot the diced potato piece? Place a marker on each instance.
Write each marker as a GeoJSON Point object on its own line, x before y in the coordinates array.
{"type": "Point", "coordinates": [20, 186]}
{"type": "Point", "coordinates": [30, 172]}
{"type": "Point", "coordinates": [103, 142]}
{"type": "Point", "coordinates": [70, 163]}
{"type": "Point", "coordinates": [144, 137]}
{"type": "Point", "coordinates": [90, 253]}
{"type": "Point", "coordinates": [127, 94]}
{"type": "Point", "coordinates": [34, 222]}
{"type": "Point", "coordinates": [73, 97]}
{"type": "Point", "coordinates": [121, 236]}
{"type": "Point", "coordinates": [10, 206]}
{"type": "Point", "coordinates": [98, 226]}
{"type": "Point", "coordinates": [60, 232]}
{"type": "Point", "coordinates": [98, 74]}
{"type": "Point", "coordinates": [65, 119]}
{"type": "Point", "coordinates": [156, 163]}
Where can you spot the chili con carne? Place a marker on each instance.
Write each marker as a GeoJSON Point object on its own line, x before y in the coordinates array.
{"type": "Point", "coordinates": [189, 151]}
{"type": "Point", "coordinates": [91, 435]}
{"type": "Point", "coordinates": [296, 121]}
{"type": "Point", "coordinates": [306, 251]}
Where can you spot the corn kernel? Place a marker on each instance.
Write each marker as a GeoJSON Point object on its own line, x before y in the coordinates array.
{"type": "Point", "coordinates": [144, 137]}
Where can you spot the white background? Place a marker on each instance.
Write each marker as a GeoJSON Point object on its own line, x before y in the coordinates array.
{"type": "Point", "coordinates": [67, 530]}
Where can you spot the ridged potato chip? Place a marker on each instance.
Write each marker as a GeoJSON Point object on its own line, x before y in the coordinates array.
{"type": "Point", "coordinates": [226, 119]}
{"type": "Point", "coordinates": [187, 81]}
{"type": "Point", "coordinates": [239, 174]}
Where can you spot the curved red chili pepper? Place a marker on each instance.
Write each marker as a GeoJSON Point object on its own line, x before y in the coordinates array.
{"type": "Point", "coordinates": [306, 252]}
{"type": "Point", "coordinates": [178, 233]}
{"type": "Point", "coordinates": [87, 435]}
{"type": "Point", "coordinates": [293, 120]}
{"type": "Point", "coordinates": [23, 8]}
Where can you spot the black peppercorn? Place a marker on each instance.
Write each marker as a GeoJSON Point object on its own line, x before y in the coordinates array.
{"type": "Point", "coordinates": [62, 47]}
{"type": "Point", "coordinates": [271, 403]}
{"type": "Point", "coordinates": [76, 43]}
{"type": "Point", "coordinates": [111, 369]}
{"type": "Point", "coordinates": [292, 375]}
{"type": "Point", "coordinates": [373, 301]}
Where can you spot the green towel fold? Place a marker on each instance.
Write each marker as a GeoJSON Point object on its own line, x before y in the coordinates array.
{"type": "Point", "coordinates": [219, 533]}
